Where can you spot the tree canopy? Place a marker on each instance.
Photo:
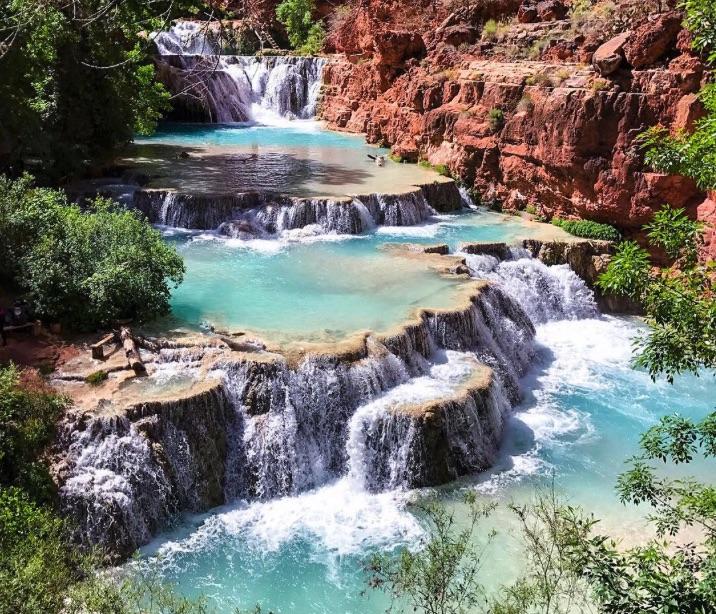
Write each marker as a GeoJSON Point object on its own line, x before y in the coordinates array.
{"type": "Point", "coordinates": [86, 267]}
{"type": "Point", "coordinates": [77, 79]}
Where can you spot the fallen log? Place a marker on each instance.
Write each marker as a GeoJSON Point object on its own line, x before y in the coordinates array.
{"type": "Point", "coordinates": [131, 351]}
{"type": "Point", "coordinates": [98, 348]}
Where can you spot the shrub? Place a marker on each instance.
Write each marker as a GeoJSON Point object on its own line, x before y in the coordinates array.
{"type": "Point", "coordinates": [541, 79]}
{"type": "Point", "coordinates": [27, 425]}
{"type": "Point", "coordinates": [599, 85]}
{"type": "Point", "coordinates": [314, 41]}
{"type": "Point", "coordinates": [496, 118]}
{"type": "Point", "coordinates": [441, 169]}
{"type": "Point", "coordinates": [97, 377]}
{"type": "Point", "coordinates": [489, 30]}
{"type": "Point", "coordinates": [525, 105]}
{"type": "Point", "coordinates": [84, 267]}
{"type": "Point", "coordinates": [396, 157]}
{"type": "Point", "coordinates": [588, 229]}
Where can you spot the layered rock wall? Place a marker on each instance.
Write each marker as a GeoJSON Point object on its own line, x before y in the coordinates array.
{"type": "Point", "coordinates": [522, 118]}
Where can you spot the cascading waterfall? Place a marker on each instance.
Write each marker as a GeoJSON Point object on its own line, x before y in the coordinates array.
{"type": "Point", "coordinates": [545, 292]}
{"type": "Point", "coordinates": [233, 88]}
{"type": "Point", "coordinates": [301, 426]}
{"type": "Point", "coordinates": [265, 215]}
{"type": "Point", "coordinates": [417, 407]}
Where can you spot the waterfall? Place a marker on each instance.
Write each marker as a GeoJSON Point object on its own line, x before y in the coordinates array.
{"type": "Point", "coordinates": [262, 214]}
{"type": "Point", "coordinates": [117, 492]}
{"type": "Point", "coordinates": [304, 425]}
{"type": "Point", "coordinates": [420, 406]}
{"type": "Point", "coordinates": [234, 88]}
{"type": "Point", "coordinates": [544, 292]}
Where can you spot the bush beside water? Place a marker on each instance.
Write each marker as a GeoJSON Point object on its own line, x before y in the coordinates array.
{"type": "Point", "coordinates": [588, 229]}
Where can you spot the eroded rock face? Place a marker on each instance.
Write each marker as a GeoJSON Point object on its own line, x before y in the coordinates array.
{"type": "Point", "coordinates": [652, 39]}
{"type": "Point", "coordinates": [568, 141]}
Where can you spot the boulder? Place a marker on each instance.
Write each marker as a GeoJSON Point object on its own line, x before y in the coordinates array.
{"type": "Point", "coordinates": [393, 48]}
{"type": "Point", "coordinates": [652, 39]}
{"type": "Point", "coordinates": [551, 10]}
{"type": "Point", "coordinates": [457, 35]}
{"type": "Point", "coordinates": [609, 57]}
{"type": "Point", "coordinates": [527, 13]}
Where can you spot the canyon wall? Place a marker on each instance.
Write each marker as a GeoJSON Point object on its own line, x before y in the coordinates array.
{"type": "Point", "coordinates": [517, 110]}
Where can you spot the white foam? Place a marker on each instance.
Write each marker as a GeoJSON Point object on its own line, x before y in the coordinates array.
{"type": "Point", "coordinates": [340, 518]}
{"type": "Point", "coordinates": [424, 230]}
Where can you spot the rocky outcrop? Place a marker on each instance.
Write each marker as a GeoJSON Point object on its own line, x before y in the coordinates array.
{"type": "Point", "coordinates": [652, 39]}
{"type": "Point", "coordinates": [567, 144]}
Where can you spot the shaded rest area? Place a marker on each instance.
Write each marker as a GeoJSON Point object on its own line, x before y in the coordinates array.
{"type": "Point", "coordinates": [306, 172]}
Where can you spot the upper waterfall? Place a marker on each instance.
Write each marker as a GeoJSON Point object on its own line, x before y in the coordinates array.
{"type": "Point", "coordinates": [234, 88]}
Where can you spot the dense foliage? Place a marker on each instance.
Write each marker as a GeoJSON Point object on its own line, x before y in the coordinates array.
{"type": "Point", "coordinates": [27, 424]}
{"type": "Point", "coordinates": [692, 154]}
{"type": "Point", "coordinates": [41, 572]}
{"type": "Point", "coordinates": [305, 35]}
{"type": "Point", "coordinates": [77, 79]}
{"type": "Point", "coordinates": [588, 229]}
{"type": "Point", "coordinates": [84, 267]}
{"type": "Point", "coordinates": [678, 301]}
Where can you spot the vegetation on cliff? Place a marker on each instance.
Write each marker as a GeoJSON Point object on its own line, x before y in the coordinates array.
{"type": "Point", "coordinates": [692, 154]}
{"type": "Point", "coordinates": [83, 267]}
{"type": "Point", "coordinates": [588, 229]}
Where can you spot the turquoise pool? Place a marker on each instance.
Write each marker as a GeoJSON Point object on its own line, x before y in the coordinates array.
{"type": "Point", "coordinates": [325, 287]}
{"type": "Point", "coordinates": [581, 420]}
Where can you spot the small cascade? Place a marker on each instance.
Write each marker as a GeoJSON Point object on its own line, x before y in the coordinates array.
{"type": "Point", "coordinates": [264, 215]}
{"type": "Point", "coordinates": [232, 88]}
{"type": "Point", "coordinates": [303, 426]}
{"type": "Point", "coordinates": [546, 293]}
{"type": "Point", "coordinates": [117, 493]}
{"type": "Point", "coordinates": [428, 430]}
{"type": "Point", "coordinates": [466, 198]}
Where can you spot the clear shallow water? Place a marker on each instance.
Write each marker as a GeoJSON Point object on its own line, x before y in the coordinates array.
{"type": "Point", "coordinates": [295, 157]}
{"type": "Point", "coordinates": [581, 420]}
{"type": "Point", "coordinates": [297, 133]}
{"type": "Point", "coordinates": [321, 287]}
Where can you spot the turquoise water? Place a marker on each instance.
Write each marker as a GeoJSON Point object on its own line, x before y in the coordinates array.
{"type": "Point", "coordinates": [296, 134]}
{"type": "Point", "coordinates": [322, 287]}
{"type": "Point", "coordinates": [583, 413]}
{"type": "Point", "coordinates": [579, 423]}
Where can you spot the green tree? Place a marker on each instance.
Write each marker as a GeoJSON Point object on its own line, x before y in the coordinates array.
{"type": "Point", "coordinates": [27, 425]}
{"type": "Point", "coordinates": [304, 34]}
{"type": "Point", "coordinates": [442, 576]}
{"type": "Point", "coordinates": [85, 267]}
{"type": "Point", "coordinates": [77, 80]}
{"type": "Point", "coordinates": [678, 300]}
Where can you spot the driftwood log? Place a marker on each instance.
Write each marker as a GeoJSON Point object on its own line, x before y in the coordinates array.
{"type": "Point", "coordinates": [131, 351]}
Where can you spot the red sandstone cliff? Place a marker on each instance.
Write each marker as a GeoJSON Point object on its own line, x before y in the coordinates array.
{"type": "Point", "coordinates": [423, 80]}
